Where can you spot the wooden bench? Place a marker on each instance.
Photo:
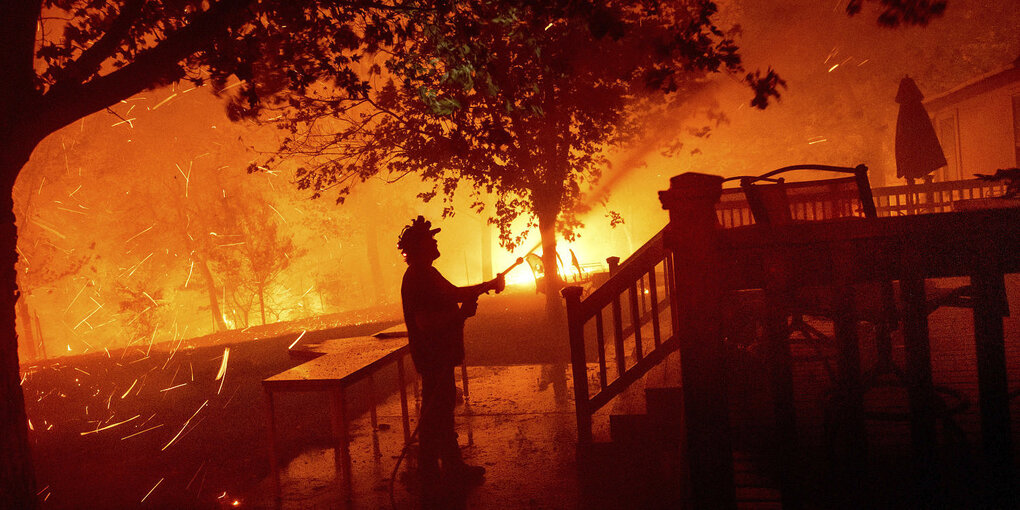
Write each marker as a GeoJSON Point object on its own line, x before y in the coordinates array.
{"type": "Point", "coordinates": [333, 366]}
{"type": "Point", "coordinates": [336, 365]}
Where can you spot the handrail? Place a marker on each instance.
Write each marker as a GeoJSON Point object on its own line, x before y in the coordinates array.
{"type": "Point", "coordinates": [628, 272]}
{"type": "Point", "coordinates": [639, 269]}
{"type": "Point", "coordinates": [857, 170]}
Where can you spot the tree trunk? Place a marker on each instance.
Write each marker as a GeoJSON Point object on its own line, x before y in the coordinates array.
{"type": "Point", "coordinates": [210, 285]}
{"type": "Point", "coordinates": [556, 349]}
{"type": "Point", "coordinates": [26, 327]}
{"type": "Point", "coordinates": [17, 477]}
{"type": "Point", "coordinates": [486, 250]}
{"type": "Point", "coordinates": [553, 283]}
{"type": "Point", "coordinates": [375, 267]}
{"type": "Point", "coordinates": [262, 303]}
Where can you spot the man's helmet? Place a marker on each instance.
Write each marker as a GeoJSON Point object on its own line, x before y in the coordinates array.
{"type": "Point", "coordinates": [414, 235]}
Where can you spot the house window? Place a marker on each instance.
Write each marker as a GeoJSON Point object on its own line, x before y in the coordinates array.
{"type": "Point", "coordinates": [1016, 128]}
{"type": "Point", "coordinates": [946, 128]}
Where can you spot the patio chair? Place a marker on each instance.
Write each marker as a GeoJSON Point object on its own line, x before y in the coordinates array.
{"type": "Point", "coordinates": [538, 269]}
{"type": "Point", "coordinates": [774, 201]}
{"type": "Point", "coordinates": [586, 270]}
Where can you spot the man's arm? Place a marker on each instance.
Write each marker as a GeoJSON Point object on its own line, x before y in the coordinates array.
{"type": "Point", "coordinates": [471, 292]}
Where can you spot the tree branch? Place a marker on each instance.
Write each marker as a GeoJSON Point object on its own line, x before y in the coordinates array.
{"type": "Point", "coordinates": [65, 103]}
{"type": "Point", "coordinates": [91, 58]}
{"type": "Point", "coordinates": [17, 47]}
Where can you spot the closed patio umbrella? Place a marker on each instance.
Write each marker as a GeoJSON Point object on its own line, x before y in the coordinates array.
{"type": "Point", "coordinates": [918, 152]}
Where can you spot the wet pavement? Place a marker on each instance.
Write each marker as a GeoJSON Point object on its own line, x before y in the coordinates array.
{"type": "Point", "coordinates": [517, 422]}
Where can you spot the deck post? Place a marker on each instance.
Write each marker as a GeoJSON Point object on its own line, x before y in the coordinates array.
{"type": "Point", "coordinates": [993, 389]}
{"type": "Point", "coordinates": [578, 364]}
{"type": "Point", "coordinates": [847, 424]}
{"type": "Point", "coordinates": [779, 362]}
{"type": "Point", "coordinates": [920, 388]}
{"type": "Point", "coordinates": [692, 241]}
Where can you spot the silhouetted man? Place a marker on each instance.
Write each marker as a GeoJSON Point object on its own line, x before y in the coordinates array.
{"type": "Point", "coordinates": [434, 312]}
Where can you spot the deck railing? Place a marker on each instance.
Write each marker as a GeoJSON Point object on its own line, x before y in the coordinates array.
{"type": "Point", "coordinates": [931, 197]}
{"type": "Point", "coordinates": [636, 295]}
{"type": "Point", "coordinates": [733, 210]}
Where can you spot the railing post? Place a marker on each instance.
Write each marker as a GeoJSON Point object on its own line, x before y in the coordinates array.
{"type": "Point", "coordinates": [848, 432]}
{"type": "Point", "coordinates": [578, 363]}
{"type": "Point", "coordinates": [621, 356]}
{"type": "Point", "coordinates": [779, 364]}
{"type": "Point", "coordinates": [614, 264]}
{"type": "Point", "coordinates": [692, 240]}
{"type": "Point", "coordinates": [990, 306]}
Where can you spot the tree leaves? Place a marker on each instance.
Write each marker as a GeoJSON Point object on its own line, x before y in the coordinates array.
{"type": "Point", "coordinates": [764, 87]}
{"type": "Point", "coordinates": [519, 99]}
{"type": "Point", "coordinates": [902, 12]}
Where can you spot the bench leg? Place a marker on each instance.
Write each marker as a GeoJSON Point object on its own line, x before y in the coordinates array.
{"type": "Point", "coordinates": [273, 462]}
{"type": "Point", "coordinates": [404, 415]}
{"type": "Point", "coordinates": [374, 417]}
{"type": "Point", "coordinates": [341, 448]}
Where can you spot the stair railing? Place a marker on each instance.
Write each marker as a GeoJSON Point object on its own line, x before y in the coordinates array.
{"type": "Point", "coordinates": [621, 312]}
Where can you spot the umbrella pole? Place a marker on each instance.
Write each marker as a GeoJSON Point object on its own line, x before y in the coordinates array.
{"type": "Point", "coordinates": [911, 196]}
{"type": "Point", "coordinates": [929, 195]}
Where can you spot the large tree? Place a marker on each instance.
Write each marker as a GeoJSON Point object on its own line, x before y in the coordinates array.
{"type": "Point", "coordinates": [520, 101]}
{"type": "Point", "coordinates": [65, 59]}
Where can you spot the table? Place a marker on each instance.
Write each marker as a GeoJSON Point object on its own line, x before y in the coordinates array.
{"type": "Point", "coordinates": [349, 360]}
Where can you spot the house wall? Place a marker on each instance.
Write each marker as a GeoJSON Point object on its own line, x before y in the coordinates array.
{"type": "Point", "coordinates": [985, 132]}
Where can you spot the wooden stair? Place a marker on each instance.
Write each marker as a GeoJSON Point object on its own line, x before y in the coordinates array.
{"type": "Point", "coordinates": [642, 464]}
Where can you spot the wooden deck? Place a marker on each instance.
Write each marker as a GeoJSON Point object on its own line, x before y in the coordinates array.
{"type": "Point", "coordinates": [890, 481]}
{"type": "Point", "coordinates": [827, 424]}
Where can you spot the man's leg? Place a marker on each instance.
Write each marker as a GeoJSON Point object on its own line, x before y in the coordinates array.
{"type": "Point", "coordinates": [430, 427]}
{"type": "Point", "coordinates": [453, 463]}
{"type": "Point", "coordinates": [446, 401]}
